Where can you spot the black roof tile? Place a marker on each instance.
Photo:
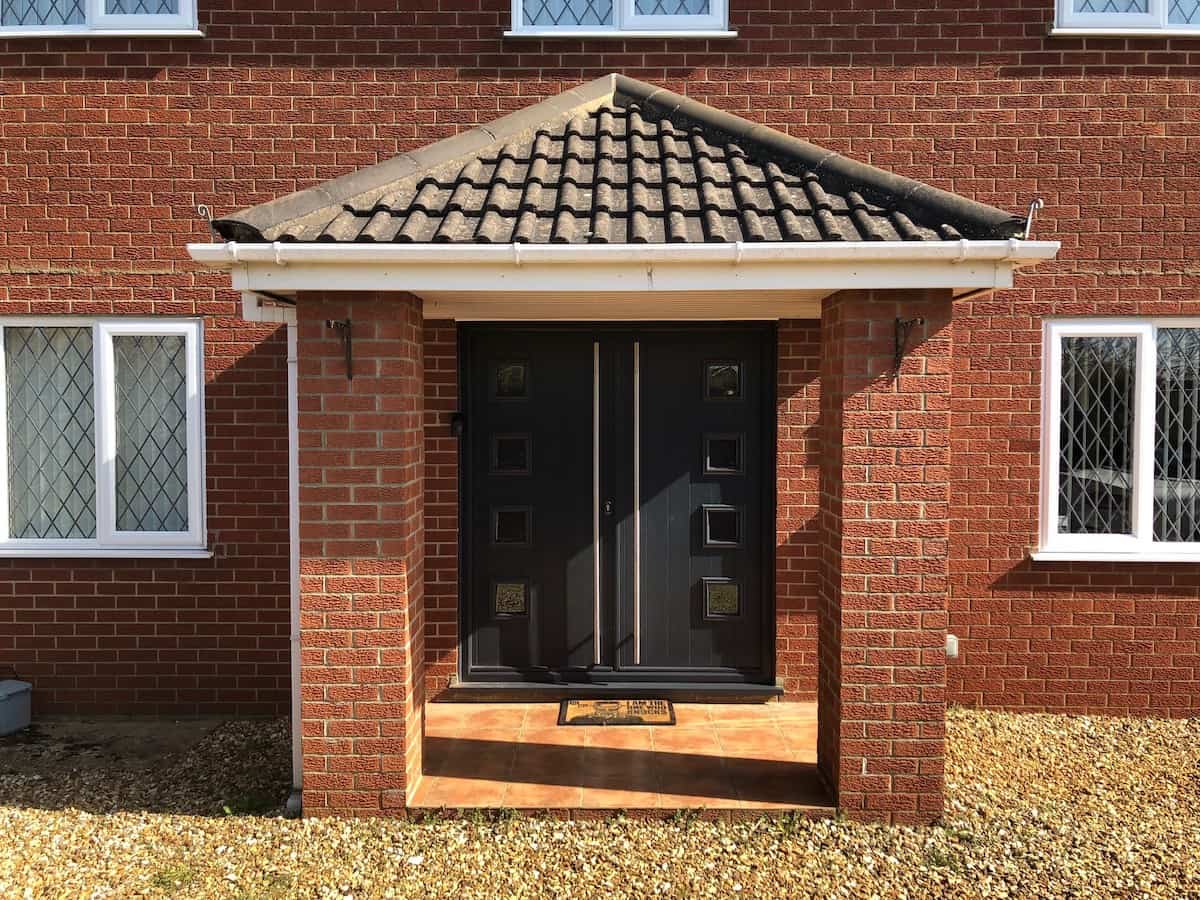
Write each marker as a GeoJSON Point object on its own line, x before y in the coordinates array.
{"type": "Point", "coordinates": [619, 161]}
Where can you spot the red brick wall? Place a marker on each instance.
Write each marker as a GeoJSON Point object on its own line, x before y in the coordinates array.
{"type": "Point", "coordinates": [106, 145]}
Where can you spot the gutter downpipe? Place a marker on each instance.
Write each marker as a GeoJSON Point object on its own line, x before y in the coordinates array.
{"type": "Point", "coordinates": [295, 801]}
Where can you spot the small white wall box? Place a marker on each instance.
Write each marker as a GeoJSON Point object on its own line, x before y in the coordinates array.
{"type": "Point", "coordinates": [14, 705]}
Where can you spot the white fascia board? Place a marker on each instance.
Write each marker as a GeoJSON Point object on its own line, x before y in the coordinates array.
{"type": "Point", "coordinates": [500, 268]}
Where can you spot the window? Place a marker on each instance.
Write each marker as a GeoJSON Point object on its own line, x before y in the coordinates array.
{"type": "Point", "coordinates": [101, 437]}
{"type": "Point", "coordinates": [1128, 15]}
{"type": "Point", "coordinates": [1121, 440]}
{"type": "Point", "coordinates": [82, 16]}
{"type": "Point", "coordinates": [567, 17]}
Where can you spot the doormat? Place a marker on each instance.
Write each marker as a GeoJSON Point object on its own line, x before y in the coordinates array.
{"type": "Point", "coordinates": [616, 712]}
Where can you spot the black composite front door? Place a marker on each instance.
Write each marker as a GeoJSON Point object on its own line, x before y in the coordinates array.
{"type": "Point", "coordinates": [617, 503]}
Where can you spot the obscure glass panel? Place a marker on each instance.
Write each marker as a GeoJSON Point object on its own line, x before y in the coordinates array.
{"type": "Point", "coordinates": [722, 525]}
{"type": "Point", "coordinates": [51, 433]}
{"type": "Point", "coordinates": [142, 7]}
{"type": "Point", "coordinates": [722, 599]}
{"type": "Point", "coordinates": [510, 598]}
{"type": "Point", "coordinates": [672, 7]}
{"type": "Point", "coordinates": [1177, 436]}
{"type": "Point", "coordinates": [41, 12]}
{"type": "Point", "coordinates": [510, 454]}
{"type": "Point", "coordinates": [151, 414]}
{"type": "Point", "coordinates": [1111, 6]}
{"type": "Point", "coordinates": [568, 13]}
{"type": "Point", "coordinates": [722, 380]}
{"type": "Point", "coordinates": [723, 453]}
{"type": "Point", "coordinates": [1096, 435]}
{"type": "Point", "coordinates": [512, 525]}
{"type": "Point", "coordinates": [1183, 12]}
{"type": "Point", "coordinates": [512, 381]}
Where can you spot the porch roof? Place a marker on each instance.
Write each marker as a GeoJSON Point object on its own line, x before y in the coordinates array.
{"type": "Point", "coordinates": [623, 162]}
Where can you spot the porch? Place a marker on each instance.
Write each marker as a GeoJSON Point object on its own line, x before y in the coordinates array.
{"type": "Point", "coordinates": [724, 757]}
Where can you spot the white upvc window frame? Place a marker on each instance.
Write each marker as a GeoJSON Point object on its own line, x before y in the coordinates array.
{"type": "Point", "coordinates": [1140, 544]}
{"type": "Point", "coordinates": [97, 21]}
{"type": "Point", "coordinates": [109, 542]}
{"type": "Point", "coordinates": [1152, 21]}
{"type": "Point", "coordinates": [626, 21]}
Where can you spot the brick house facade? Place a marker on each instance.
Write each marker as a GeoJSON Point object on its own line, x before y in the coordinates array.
{"type": "Point", "coordinates": [109, 142]}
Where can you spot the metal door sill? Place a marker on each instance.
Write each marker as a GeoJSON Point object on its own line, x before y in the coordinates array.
{"type": "Point", "coordinates": [680, 692]}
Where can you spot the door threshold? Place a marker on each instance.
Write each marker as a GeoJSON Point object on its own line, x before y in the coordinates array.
{"type": "Point", "coordinates": [680, 692]}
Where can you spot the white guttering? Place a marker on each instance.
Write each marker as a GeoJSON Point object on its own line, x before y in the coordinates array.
{"type": "Point", "coordinates": [293, 419]}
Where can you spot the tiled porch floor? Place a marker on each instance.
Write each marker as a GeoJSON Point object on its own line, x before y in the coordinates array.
{"type": "Point", "coordinates": [509, 755]}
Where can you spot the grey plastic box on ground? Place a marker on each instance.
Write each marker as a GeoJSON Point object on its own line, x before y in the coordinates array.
{"type": "Point", "coordinates": [14, 705]}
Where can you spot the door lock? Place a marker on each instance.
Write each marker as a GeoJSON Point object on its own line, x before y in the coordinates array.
{"type": "Point", "coordinates": [608, 507]}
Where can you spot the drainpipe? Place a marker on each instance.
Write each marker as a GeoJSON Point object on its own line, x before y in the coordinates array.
{"type": "Point", "coordinates": [295, 798]}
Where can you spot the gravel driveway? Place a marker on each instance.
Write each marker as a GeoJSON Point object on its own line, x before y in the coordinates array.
{"type": "Point", "coordinates": [1039, 806]}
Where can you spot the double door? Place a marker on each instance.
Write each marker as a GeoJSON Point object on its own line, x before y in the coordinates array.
{"type": "Point", "coordinates": [616, 503]}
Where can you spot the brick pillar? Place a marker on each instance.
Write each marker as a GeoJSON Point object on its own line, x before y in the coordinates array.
{"type": "Point", "coordinates": [361, 553]}
{"type": "Point", "coordinates": [884, 522]}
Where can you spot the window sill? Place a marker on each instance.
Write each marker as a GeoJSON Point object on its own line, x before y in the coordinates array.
{"type": "Point", "coordinates": [1126, 32]}
{"type": "Point", "coordinates": [102, 33]}
{"type": "Point", "coordinates": [105, 553]}
{"type": "Point", "coordinates": [1140, 557]}
{"type": "Point", "coordinates": [559, 34]}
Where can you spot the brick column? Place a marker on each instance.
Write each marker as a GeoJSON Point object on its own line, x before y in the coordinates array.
{"type": "Point", "coordinates": [361, 553]}
{"type": "Point", "coordinates": [884, 523]}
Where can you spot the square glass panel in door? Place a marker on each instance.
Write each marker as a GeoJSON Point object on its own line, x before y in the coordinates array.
{"type": "Point", "coordinates": [510, 381]}
{"type": "Point", "coordinates": [512, 526]}
{"type": "Point", "coordinates": [722, 599]}
{"type": "Point", "coordinates": [722, 380]}
{"type": "Point", "coordinates": [511, 454]}
{"type": "Point", "coordinates": [722, 526]}
{"type": "Point", "coordinates": [723, 454]}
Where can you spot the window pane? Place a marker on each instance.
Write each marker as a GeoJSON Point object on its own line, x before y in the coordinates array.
{"type": "Point", "coordinates": [1177, 436]}
{"type": "Point", "coordinates": [1111, 6]}
{"type": "Point", "coordinates": [41, 12]}
{"type": "Point", "coordinates": [151, 397]}
{"type": "Point", "coordinates": [1183, 12]}
{"type": "Point", "coordinates": [1096, 436]}
{"type": "Point", "coordinates": [142, 7]}
{"type": "Point", "coordinates": [51, 438]}
{"type": "Point", "coordinates": [568, 13]}
{"type": "Point", "coordinates": [672, 7]}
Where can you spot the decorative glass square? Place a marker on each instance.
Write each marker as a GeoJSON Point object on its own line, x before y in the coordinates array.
{"type": "Point", "coordinates": [51, 433]}
{"type": "Point", "coordinates": [1096, 435]}
{"type": "Point", "coordinates": [151, 414]}
{"type": "Point", "coordinates": [722, 598]}
{"type": "Point", "coordinates": [722, 526]}
{"type": "Point", "coordinates": [567, 13]}
{"type": "Point", "coordinates": [672, 7]}
{"type": "Point", "coordinates": [512, 525]}
{"type": "Point", "coordinates": [722, 380]}
{"type": "Point", "coordinates": [723, 454]}
{"type": "Point", "coordinates": [1177, 436]}
{"type": "Point", "coordinates": [511, 454]}
{"type": "Point", "coordinates": [510, 598]}
{"type": "Point", "coordinates": [14, 13]}
{"type": "Point", "coordinates": [142, 7]}
{"type": "Point", "coordinates": [1117, 7]}
{"type": "Point", "coordinates": [511, 381]}
{"type": "Point", "coordinates": [1183, 12]}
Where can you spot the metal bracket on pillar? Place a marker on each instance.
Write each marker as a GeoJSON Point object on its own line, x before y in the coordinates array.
{"type": "Point", "coordinates": [342, 327]}
{"type": "Point", "coordinates": [904, 328]}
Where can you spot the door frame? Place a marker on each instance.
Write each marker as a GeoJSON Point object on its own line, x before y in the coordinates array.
{"type": "Point", "coordinates": [667, 679]}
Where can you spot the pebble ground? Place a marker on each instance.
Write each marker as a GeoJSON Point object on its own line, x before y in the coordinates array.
{"type": "Point", "coordinates": [1038, 806]}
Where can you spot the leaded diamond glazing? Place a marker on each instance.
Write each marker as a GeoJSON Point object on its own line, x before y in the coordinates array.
{"type": "Point", "coordinates": [671, 7]}
{"type": "Point", "coordinates": [1177, 436]}
{"type": "Point", "coordinates": [142, 7]}
{"type": "Point", "coordinates": [1096, 435]}
{"type": "Point", "coordinates": [151, 397]}
{"type": "Point", "coordinates": [51, 433]}
{"type": "Point", "coordinates": [41, 12]}
{"type": "Point", "coordinates": [1112, 6]}
{"type": "Point", "coordinates": [1183, 12]}
{"type": "Point", "coordinates": [568, 13]}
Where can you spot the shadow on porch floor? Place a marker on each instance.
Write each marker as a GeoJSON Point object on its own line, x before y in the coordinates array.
{"type": "Point", "coordinates": [721, 756]}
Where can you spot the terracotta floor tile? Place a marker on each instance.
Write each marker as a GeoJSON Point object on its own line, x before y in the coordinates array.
{"type": "Point", "coordinates": [554, 736]}
{"type": "Point", "coordinates": [619, 798]}
{"type": "Point", "coordinates": [542, 715]}
{"type": "Point", "coordinates": [543, 796]}
{"type": "Point", "coordinates": [466, 792]}
{"type": "Point", "coordinates": [750, 738]}
{"type": "Point", "coordinates": [687, 741]}
{"type": "Point", "coordinates": [689, 715]}
{"type": "Point", "coordinates": [624, 737]}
